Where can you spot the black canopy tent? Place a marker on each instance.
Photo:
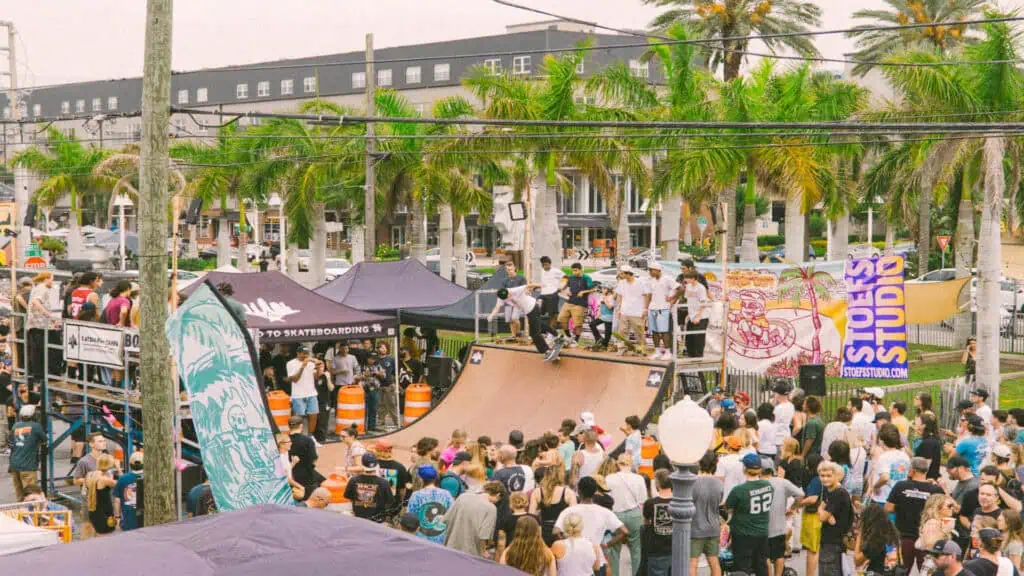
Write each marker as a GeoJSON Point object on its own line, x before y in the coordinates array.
{"type": "Point", "coordinates": [389, 287]}
{"type": "Point", "coordinates": [459, 315]}
{"type": "Point", "coordinates": [281, 310]}
{"type": "Point", "coordinates": [263, 540]}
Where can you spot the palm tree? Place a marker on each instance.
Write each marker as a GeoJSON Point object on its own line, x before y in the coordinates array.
{"type": "Point", "coordinates": [715, 19]}
{"type": "Point", "coordinates": [875, 45]}
{"type": "Point", "coordinates": [552, 97]}
{"type": "Point", "coordinates": [985, 91]}
{"type": "Point", "coordinates": [66, 168]}
{"type": "Point", "coordinates": [798, 283]}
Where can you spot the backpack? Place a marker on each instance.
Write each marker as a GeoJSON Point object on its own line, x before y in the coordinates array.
{"type": "Point", "coordinates": [462, 486]}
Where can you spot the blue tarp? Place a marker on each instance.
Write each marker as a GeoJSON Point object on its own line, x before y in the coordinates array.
{"type": "Point", "coordinates": [385, 287]}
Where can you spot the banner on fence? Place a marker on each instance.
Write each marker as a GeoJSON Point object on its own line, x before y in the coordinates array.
{"type": "Point", "coordinates": [217, 361]}
{"type": "Point", "coordinates": [90, 343]}
{"type": "Point", "coordinates": [876, 327]}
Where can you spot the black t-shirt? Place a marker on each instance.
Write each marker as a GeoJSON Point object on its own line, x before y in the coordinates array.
{"type": "Point", "coordinates": [909, 497]}
{"type": "Point", "coordinates": [508, 525]}
{"type": "Point", "coordinates": [410, 371]}
{"type": "Point", "coordinates": [659, 522]}
{"type": "Point", "coordinates": [964, 572]}
{"type": "Point", "coordinates": [795, 472]}
{"type": "Point", "coordinates": [304, 448]}
{"type": "Point", "coordinates": [370, 496]}
{"type": "Point", "coordinates": [5, 387]}
{"type": "Point", "coordinates": [512, 477]}
{"type": "Point", "coordinates": [578, 284]}
{"type": "Point", "coordinates": [931, 448]}
{"type": "Point", "coordinates": [396, 475]}
{"type": "Point", "coordinates": [837, 502]}
{"type": "Point", "coordinates": [984, 567]}
{"type": "Point", "coordinates": [876, 558]}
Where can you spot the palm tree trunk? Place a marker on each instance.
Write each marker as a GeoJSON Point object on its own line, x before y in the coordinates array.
{"type": "Point", "coordinates": [623, 242]}
{"type": "Point", "coordinates": [748, 249]}
{"type": "Point", "coordinates": [1011, 215]}
{"type": "Point", "coordinates": [673, 206]}
{"type": "Point", "coordinates": [417, 241]}
{"type": "Point", "coordinates": [725, 199]}
{"type": "Point", "coordinates": [193, 246]}
{"type": "Point", "coordinates": [924, 233]}
{"type": "Point", "coordinates": [687, 232]}
{"type": "Point", "coordinates": [989, 257]}
{"type": "Point", "coordinates": [445, 240]}
{"type": "Point", "coordinates": [243, 240]}
{"type": "Point", "coordinates": [546, 235]}
{"type": "Point", "coordinates": [795, 229]}
{"type": "Point", "coordinates": [293, 261]}
{"type": "Point", "coordinates": [74, 238]}
{"type": "Point", "coordinates": [318, 252]}
{"type": "Point", "coordinates": [460, 252]}
{"type": "Point", "coordinates": [964, 263]}
{"type": "Point", "coordinates": [841, 237]}
{"type": "Point", "coordinates": [223, 242]}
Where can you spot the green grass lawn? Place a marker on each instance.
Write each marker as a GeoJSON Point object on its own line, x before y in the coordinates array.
{"type": "Point", "coordinates": [925, 348]}
{"type": "Point", "coordinates": [919, 373]}
{"type": "Point", "coordinates": [1011, 393]}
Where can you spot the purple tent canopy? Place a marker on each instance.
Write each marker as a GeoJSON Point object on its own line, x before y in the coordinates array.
{"type": "Point", "coordinates": [282, 310]}
{"type": "Point", "coordinates": [386, 287]}
{"type": "Point", "coordinates": [258, 541]}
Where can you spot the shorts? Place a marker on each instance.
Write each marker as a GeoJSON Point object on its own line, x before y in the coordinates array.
{"type": "Point", "coordinates": [512, 314]}
{"type": "Point", "coordinates": [305, 406]}
{"type": "Point", "coordinates": [810, 531]}
{"type": "Point", "coordinates": [777, 547]}
{"type": "Point", "coordinates": [576, 312]}
{"type": "Point", "coordinates": [658, 320]}
{"type": "Point", "coordinates": [709, 547]}
{"type": "Point", "coordinates": [633, 324]}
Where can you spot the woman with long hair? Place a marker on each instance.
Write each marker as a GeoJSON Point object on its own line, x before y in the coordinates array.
{"type": "Point", "coordinates": [748, 427]}
{"type": "Point", "coordinates": [796, 427]}
{"type": "Point", "coordinates": [101, 507]}
{"type": "Point", "coordinates": [550, 498]}
{"type": "Point", "coordinates": [528, 552]}
{"type": "Point", "coordinates": [575, 555]}
{"type": "Point", "coordinates": [858, 464]}
{"type": "Point", "coordinates": [877, 536]}
{"type": "Point", "coordinates": [1013, 544]}
{"type": "Point", "coordinates": [937, 523]}
{"type": "Point", "coordinates": [479, 453]}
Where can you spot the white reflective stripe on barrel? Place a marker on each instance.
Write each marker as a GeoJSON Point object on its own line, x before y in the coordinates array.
{"type": "Point", "coordinates": [350, 406]}
{"type": "Point", "coordinates": [417, 404]}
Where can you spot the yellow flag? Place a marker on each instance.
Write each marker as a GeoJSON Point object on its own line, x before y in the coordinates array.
{"type": "Point", "coordinates": [931, 302]}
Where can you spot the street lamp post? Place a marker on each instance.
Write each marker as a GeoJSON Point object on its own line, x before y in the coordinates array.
{"type": "Point", "coordinates": [275, 202]}
{"type": "Point", "coordinates": [685, 431]}
{"type": "Point", "coordinates": [121, 202]}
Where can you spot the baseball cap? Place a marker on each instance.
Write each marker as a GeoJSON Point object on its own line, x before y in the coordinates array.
{"type": "Point", "coordinates": [718, 390]}
{"type": "Point", "coordinates": [302, 348]}
{"type": "Point", "coordinates": [409, 522]}
{"type": "Point", "coordinates": [654, 266]}
{"type": "Point", "coordinates": [733, 442]}
{"type": "Point", "coordinates": [964, 405]}
{"type": "Point", "coordinates": [781, 387]}
{"type": "Point", "coordinates": [752, 461]}
{"type": "Point", "coordinates": [944, 547]}
{"type": "Point", "coordinates": [989, 534]}
{"type": "Point", "coordinates": [741, 396]}
{"type": "Point", "coordinates": [767, 464]}
{"type": "Point", "coordinates": [980, 392]}
{"type": "Point", "coordinates": [426, 472]}
{"type": "Point", "coordinates": [883, 415]}
{"type": "Point", "coordinates": [957, 462]}
{"type": "Point", "coordinates": [461, 457]}
{"type": "Point", "coordinates": [626, 269]}
{"type": "Point", "coordinates": [369, 460]}
{"type": "Point", "coordinates": [875, 391]}
{"type": "Point", "coordinates": [728, 404]}
{"type": "Point", "coordinates": [1001, 451]}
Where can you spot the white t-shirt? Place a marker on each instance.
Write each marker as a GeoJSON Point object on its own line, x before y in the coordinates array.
{"type": "Point", "coordinates": [783, 418]}
{"type": "Point", "coordinates": [985, 413]}
{"type": "Point", "coordinates": [730, 469]}
{"type": "Point", "coordinates": [304, 387]}
{"type": "Point", "coordinates": [696, 300]}
{"type": "Point", "coordinates": [551, 280]}
{"type": "Point", "coordinates": [766, 441]}
{"type": "Point", "coordinates": [632, 297]}
{"type": "Point", "coordinates": [521, 299]}
{"type": "Point", "coordinates": [896, 464]}
{"type": "Point", "coordinates": [864, 424]}
{"type": "Point", "coordinates": [833, 431]}
{"type": "Point", "coordinates": [660, 290]}
{"type": "Point", "coordinates": [628, 489]}
{"type": "Point", "coordinates": [596, 521]}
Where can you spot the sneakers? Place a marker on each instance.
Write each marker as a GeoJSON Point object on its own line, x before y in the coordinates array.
{"type": "Point", "coordinates": [665, 355]}
{"type": "Point", "coordinates": [655, 356]}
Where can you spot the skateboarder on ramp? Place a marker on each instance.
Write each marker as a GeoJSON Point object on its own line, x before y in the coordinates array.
{"type": "Point", "coordinates": [520, 298]}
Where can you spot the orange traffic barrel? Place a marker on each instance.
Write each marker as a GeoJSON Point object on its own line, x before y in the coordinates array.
{"type": "Point", "coordinates": [336, 484]}
{"type": "Point", "coordinates": [280, 408]}
{"type": "Point", "coordinates": [417, 402]}
{"type": "Point", "coordinates": [119, 456]}
{"type": "Point", "coordinates": [351, 409]}
{"type": "Point", "coordinates": [649, 448]}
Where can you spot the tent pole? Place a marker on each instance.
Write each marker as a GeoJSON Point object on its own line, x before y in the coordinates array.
{"type": "Point", "coordinates": [398, 387]}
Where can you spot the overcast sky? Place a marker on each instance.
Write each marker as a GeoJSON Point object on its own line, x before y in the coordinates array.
{"type": "Point", "coordinates": [70, 40]}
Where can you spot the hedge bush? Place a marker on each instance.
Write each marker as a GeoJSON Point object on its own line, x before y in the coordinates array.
{"type": "Point", "coordinates": [197, 264]}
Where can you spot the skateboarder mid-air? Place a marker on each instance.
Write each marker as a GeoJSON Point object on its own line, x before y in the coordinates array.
{"type": "Point", "coordinates": [521, 299]}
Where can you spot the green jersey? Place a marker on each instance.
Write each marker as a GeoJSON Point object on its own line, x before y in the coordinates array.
{"type": "Point", "coordinates": [751, 505]}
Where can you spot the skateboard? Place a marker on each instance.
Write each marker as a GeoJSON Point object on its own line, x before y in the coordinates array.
{"type": "Point", "coordinates": [631, 346]}
{"type": "Point", "coordinates": [556, 349]}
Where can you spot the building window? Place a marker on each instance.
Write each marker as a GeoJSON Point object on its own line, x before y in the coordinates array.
{"type": "Point", "coordinates": [493, 66]}
{"type": "Point", "coordinates": [309, 84]}
{"type": "Point", "coordinates": [384, 77]}
{"type": "Point", "coordinates": [639, 69]}
{"type": "Point", "coordinates": [263, 89]}
{"type": "Point", "coordinates": [65, 107]}
{"type": "Point", "coordinates": [596, 204]}
{"type": "Point", "coordinates": [287, 87]}
{"type": "Point", "coordinates": [182, 96]}
{"type": "Point", "coordinates": [97, 104]}
{"type": "Point", "coordinates": [201, 95]}
{"type": "Point", "coordinates": [242, 91]}
{"type": "Point", "coordinates": [442, 72]}
{"type": "Point", "coordinates": [521, 65]}
{"type": "Point", "coordinates": [112, 103]}
{"type": "Point", "coordinates": [79, 106]}
{"type": "Point", "coordinates": [413, 74]}
{"type": "Point", "coordinates": [359, 79]}
{"type": "Point", "coordinates": [37, 110]}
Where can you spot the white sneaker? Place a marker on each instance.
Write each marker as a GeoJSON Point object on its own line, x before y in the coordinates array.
{"type": "Point", "coordinates": [666, 355]}
{"type": "Point", "coordinates": [655, 356]}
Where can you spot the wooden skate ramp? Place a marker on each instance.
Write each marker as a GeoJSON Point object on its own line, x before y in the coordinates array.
{"type": "Point", "coordinates": [502, 389]}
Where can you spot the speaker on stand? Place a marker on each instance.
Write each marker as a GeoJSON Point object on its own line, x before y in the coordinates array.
{"type": "Point", "coordinates": [439, 374]}
{"type": "Point", "coordinates": [812, 379]}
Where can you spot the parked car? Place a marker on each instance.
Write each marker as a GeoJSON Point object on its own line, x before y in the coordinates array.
{"type": "Point", "coordinates": [434, 255]}
{"type": "Point", "coordinates": [334, 267]}
{"type": "Point", "coordinates": [474, 279]}
{"type": "Point", "coordinates": [304, 256]}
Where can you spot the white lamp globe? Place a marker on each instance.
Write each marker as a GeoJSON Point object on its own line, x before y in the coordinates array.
{"type": "Point", "coordinates": [274, 201]}
{"type": "Point", "coordinates": [685, 431]}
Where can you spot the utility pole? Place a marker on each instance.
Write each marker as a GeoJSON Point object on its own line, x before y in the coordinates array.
{"type": "Point", "coordinates": [369, 208]}
{"type": "Point", "coordinates": [158, 388]}
{"type": "Point", "coordinates": [20, 174]}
